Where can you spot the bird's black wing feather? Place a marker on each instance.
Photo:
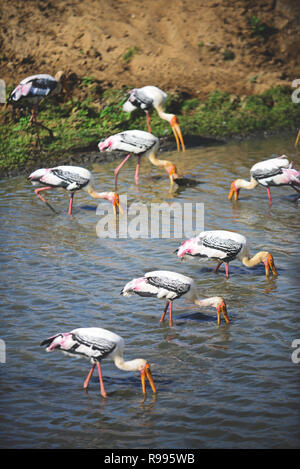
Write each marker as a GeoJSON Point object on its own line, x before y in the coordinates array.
{"type": "Point", "coordinates": [228, 246]}
{"type": "Point", "coordinates": [101, 348]}
{"type": "Point", "coordinates": [173, 285]}
{"type": "Point", "coordinates": [70, 178]}
{"type": "Point", "coordinates": [139, 99]}
{"type": "Point", "coordinates": [266, 173]}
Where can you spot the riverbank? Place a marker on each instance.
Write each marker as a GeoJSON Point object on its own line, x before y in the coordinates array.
{"type": "Point", "coordinates": [94, 114]}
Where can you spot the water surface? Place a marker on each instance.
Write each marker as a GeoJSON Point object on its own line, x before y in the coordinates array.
{"type": "Point", "coordinates": [233, 386]}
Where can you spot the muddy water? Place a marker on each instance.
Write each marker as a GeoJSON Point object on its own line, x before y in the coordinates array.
{"type": "Point", "coordinates": [233, 386]}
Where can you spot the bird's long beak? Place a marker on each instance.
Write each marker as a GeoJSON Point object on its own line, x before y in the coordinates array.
{"type": "Point", "coordinates": [222, 309]}
{"type": "Point", "coordinates": [147, 373]}
{"type": "Point", "coordinates": [233, 190]}
{"type": "Point", "coordinates": [117, 205]}
{"type": "Point", "coordinates": [172, 172]}
{"type": "Point", "coordinates": [177, 133]}
{"type": "Point", "coordinates": [269, 264]}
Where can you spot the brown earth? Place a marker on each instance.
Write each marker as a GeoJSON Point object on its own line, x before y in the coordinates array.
{"type": "Point", "coordinates": [181, 43]}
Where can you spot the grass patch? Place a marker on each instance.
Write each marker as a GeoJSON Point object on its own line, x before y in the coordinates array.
{"type": "Point", "coordinates": [130, 53]}
{"type": "Point", "coordinates": [82, 124]}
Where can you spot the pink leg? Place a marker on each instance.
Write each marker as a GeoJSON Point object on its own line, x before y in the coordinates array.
{"type": "Point", "coordinates": [148, 121]}
{"type": "Point", "coordinates": [42, 189]}
{"type": "Point", "coordinates": [137, 170]}
{"type": "Point", "coordinates": [87, 380]}
{"type": "Point", "coordinates": [71, 202]}
{"type": "Point", "coordinates": [227, 269]}
{"type": "Point", "coordinates": [102, 390]}
{"type": "Point", "coordinates": [269, 195]}
{"type": "Point", "coordinates": [217, 268]}
{"type": "Point", "coordinates": [170, 314]}
{"type": "Point", "coordinates": [118, 169]}
{"type": "Point", "coordinates": [164, 312]}
{"type": "Point", "coordinates": [42, 198]}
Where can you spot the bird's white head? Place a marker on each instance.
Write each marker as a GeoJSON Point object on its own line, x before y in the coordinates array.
{"type": "Point", "coordinates": [59, 341]}
{"type": "Point", "coordinates": [37, 175]}
{"type": "Point", "coordinates": [106, 145]}
{"type": "Point", "coordinates": [187, 248]}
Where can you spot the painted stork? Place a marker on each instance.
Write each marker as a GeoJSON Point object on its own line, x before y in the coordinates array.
{"type": "Point", "coordinates": [95, 344]}
{"type": "Point", "coordinates": [37, 87]}
{"type": "Point", "coordinates": [72, 179]}
{"type": "Point", "coordinates": [167, 285]}
{"type": "Point", "coordinates": [150, 97]}
{"type": "Point", "coordinates": [224, 246]}
{"type": "Point", "coordinates": [272, 172]}
{"type": "Point", "coordinates": [141, 144]}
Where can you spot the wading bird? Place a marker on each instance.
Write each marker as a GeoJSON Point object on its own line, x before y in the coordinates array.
{"type": "Point", "coordinates": [96, 343]}
{"type": "Point", "coordinates": [224, 246]}
{"type": "Point", "coordinates": [141, 144]}
{"type": "Point", "coordinates": [268, 173]}
{"type": "Point", "coordinates": [150, 97]}
{"type": "Point", "coordinates": [72, 179]}
{"type": "Point", "coordinates": [167, 285]}
{"type": "Point", "coordinates": [37, 87]}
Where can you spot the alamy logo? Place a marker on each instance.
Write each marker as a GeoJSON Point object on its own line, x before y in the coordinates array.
{"type": "Point", "coordinates": [2, 92]}
{"type": "Point", "coordinates": [2, 351]}
{"type": "Point", "coordinates": [156, 220]}
{"type": "Point", "coordinates": [296, 353]}
{"type": "Point", "coordinates": [296, 93]}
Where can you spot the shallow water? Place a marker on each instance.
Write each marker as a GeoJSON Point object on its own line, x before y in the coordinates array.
{"type": "Point", "coordinates": [232, 386]}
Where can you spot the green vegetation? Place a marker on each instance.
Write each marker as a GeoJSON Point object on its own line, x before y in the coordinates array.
{"type": "Point", "coordinates": [228, 54]}
{"type": "Point", "coordinates": [130, 53]}
{"type": "Point", "coordinates": [81, 124]}
{"type": "Point", "coordinates": [260, 29]}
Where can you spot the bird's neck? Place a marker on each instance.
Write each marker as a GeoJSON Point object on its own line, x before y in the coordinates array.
{"type": "Point", "coordinates": [256, 259]}
{"type": "Point", "coordinates": [131, 365]}
{"type": "Point", "coordinates": [164, 115]}
{"type": "Point", "coordinates": [243, 184]}
{"type": "Point", "coordinates": [97, 195]}
{"type": "Point", "coordinates": [157, 162]}
{"type": "Point", "coordinates": [205, 302]}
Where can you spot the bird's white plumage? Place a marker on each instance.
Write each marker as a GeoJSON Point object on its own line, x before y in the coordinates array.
{"type": "Point", "coordinates": [40, 76]}
{"type": "Point", "coordinates": [145, 98]}
{"type": "Point", "coordinates": [269, 172]}
{"type": "Point", "coordinates": [161, 284]}
{"type": "Point", "coordinates": [131, 141]}
{"type": "Point", "coordinates": [93, 343]}
{"type": "Point", "coordinates": [215, 244]}
{"type": "Point", "coordinates": [70, 178]}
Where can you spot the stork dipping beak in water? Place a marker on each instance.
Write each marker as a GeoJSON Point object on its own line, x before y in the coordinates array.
{"type": "Point", "coordinates": [72, 179]}
{"type": "Point", "coordinates": [168, 285]}
{"type": "Point", "coordinates": [96, 344]}
{"type": "Point", "coordinates": [139, 143]}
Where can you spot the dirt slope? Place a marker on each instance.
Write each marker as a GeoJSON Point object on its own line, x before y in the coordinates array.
{"type": "Point", "coordinates": [181, 45]}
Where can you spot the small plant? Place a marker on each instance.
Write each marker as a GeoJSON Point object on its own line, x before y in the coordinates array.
{"type": "Point", "coordinates": [228, 54]}
{"type": "Point", "coordinates": [253, 79]}
{"type": "Point", "coordinates": [258, 28]}
{"type": "Point", "coordinates": [86, 81]}
{"type": "Point", "coordinates": [200, 44]}
{"type": "Point", "coordinates": [130, 53]}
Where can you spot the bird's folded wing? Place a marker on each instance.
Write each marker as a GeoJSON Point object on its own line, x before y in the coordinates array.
{"type": "Point", "coordinates": [228, 246]}
{"type": "Point", "coordinates": [73, 180]}
{"type": "Point", "coordinates": [100, 346]}
{"type": "Point", "coordinates": [174, 285]}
